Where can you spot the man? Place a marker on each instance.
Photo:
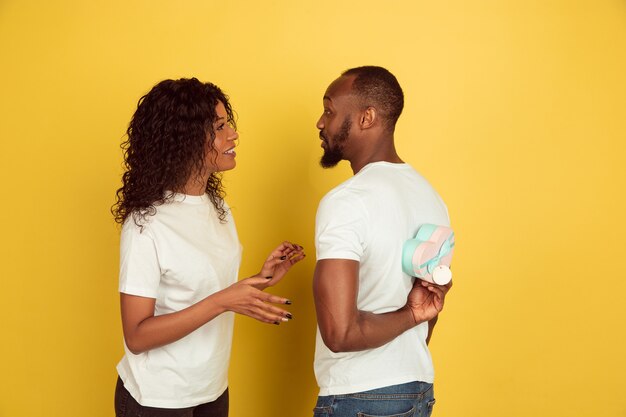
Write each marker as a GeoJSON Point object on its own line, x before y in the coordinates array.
{"type": "Point", "coordinates": [374, 322]}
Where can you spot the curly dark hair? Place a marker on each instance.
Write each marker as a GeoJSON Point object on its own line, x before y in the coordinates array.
{"type": "Point", "coordinates": [378, 87]}
{"type": "Point", "coordinates": [166, 145]}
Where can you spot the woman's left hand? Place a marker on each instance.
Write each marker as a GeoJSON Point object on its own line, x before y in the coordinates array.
{"type": "Point", "coordinates": [280, 261]}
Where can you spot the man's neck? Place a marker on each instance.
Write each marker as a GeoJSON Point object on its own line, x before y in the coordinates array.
{"type": "Point", "coordinates": [382, 151]}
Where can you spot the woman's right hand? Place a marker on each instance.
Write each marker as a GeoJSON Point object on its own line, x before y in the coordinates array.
{"type": "Point", "coordinates": [245, 298]}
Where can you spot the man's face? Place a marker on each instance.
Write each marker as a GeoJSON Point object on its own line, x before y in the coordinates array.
{"type": "Point", "coordinates": [333, 146]}
{"type": "Point", "coordinates": [336, 121]}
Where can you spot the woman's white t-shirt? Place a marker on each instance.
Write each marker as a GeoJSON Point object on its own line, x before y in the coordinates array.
{"type": "Point", "coordinates": [179, 256]}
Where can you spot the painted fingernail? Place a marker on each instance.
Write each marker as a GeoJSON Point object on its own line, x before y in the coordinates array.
{"type": "Point", "coordinates": [289, 316]}
{"type": "Point", "coordinates": [282, 258]}
{"type": "Point", "coordinates": [276, 323]}
{"type": "Point", "coordinates": [288, 302]}
{"type": "Point", "coordinates": [270, 277]}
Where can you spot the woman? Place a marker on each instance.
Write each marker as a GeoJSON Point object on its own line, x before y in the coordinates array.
{"type": "Point", "coordinates": [180, 255]}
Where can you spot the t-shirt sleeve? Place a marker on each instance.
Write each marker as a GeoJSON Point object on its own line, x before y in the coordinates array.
{"type": "Point", "coordinates": [340, 227]}
{"type": "Point", "coordinates": [140, 272]}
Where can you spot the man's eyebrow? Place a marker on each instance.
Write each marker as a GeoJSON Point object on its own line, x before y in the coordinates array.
{"type": "Point", "coordinates": [327, 98]}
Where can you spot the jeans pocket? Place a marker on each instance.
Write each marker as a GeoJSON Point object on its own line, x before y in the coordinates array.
{"type": "Point", "coordinates": [409, 413]}
{"type": "Point", "coordinates": [321, 411]}
{"type": "Point", "coordinates": [429, 407]}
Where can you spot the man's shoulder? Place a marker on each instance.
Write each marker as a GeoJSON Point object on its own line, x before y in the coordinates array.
{"type": "Point", "coordinates": [347, 191]}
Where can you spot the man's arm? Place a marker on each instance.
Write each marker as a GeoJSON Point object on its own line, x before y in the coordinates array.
{"type": "Point", "coordinates": [345, 328]}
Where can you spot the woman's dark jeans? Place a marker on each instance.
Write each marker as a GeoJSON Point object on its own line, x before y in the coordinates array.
{"type": "Point", "coordinates": [126, 406]}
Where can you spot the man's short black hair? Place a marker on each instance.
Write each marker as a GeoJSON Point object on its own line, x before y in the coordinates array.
{"type": "Point", "coordinates": [377, 87]}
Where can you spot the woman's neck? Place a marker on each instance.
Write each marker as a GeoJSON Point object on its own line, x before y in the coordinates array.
{"type": "Point", "coordinates": [195, 186]}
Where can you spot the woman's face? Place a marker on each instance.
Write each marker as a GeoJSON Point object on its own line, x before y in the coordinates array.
{"type": "Point", "coordinates": [221, 157]}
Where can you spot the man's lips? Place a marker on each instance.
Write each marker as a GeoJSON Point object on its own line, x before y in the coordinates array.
{"type": "Point", "coordinates": [323, 139]}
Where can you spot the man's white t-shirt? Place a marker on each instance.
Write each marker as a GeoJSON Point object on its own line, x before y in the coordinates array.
{"type": "Point", "coordinates": [367, 219]}
{"type": "Point", "coordinates": [181, 255]}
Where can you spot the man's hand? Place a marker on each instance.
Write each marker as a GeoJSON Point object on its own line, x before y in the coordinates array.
{"type": "Point", "coordinates": [426, 300]}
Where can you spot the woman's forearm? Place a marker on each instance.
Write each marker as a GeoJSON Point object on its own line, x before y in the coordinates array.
{"type": "Point", "coordinates": [156, 331]}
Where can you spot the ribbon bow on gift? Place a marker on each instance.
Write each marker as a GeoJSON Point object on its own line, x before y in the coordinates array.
{"type": "Point", "coordinates": [428, 255]}
{"type": "Point", "coordinates": [444, 251]}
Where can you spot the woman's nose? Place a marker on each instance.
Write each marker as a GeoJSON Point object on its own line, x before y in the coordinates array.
{"type": "Point", "coordinates": [233, 134]}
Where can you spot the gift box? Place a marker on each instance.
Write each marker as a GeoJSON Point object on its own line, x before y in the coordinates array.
{"type": "Point", "coordinates": [428, 255]}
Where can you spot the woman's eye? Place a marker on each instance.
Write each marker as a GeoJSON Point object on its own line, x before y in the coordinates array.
{"type": "Point", "coordinates": [221, 127]}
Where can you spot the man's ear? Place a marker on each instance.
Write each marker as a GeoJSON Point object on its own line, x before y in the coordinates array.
{"type": "Point", "coordinates": [369, 118]}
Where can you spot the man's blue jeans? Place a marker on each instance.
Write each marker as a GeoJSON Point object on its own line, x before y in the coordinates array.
{"type": "Point", "coordinates": [414, 399]}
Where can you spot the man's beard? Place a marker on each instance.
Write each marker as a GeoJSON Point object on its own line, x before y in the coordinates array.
{"type": "Point", "coordinates": [333, 154]}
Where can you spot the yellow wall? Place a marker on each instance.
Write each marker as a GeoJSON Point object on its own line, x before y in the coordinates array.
{"type": "Point", "coordinates": [515, 110]}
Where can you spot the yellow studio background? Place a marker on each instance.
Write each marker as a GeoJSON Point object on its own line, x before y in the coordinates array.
{"type": "Point", "coordinates": [515, 111]}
